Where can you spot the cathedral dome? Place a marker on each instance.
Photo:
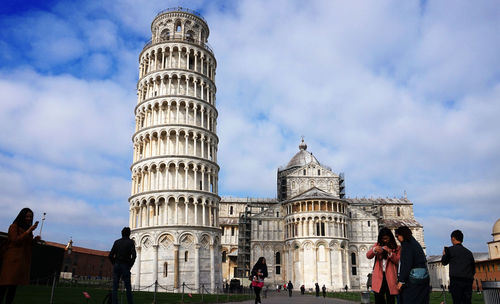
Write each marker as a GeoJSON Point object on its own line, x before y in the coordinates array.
{"type": "Point", "coordinates": [303, 157]}
{"type": "Point", "coordinates": [496, 231]}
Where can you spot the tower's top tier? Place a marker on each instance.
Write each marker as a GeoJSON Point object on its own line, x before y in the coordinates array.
{"type": "Point", "coordinates": [179, 24]}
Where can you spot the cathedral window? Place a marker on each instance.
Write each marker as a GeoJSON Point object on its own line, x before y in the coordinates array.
{"type": "Point", "coordinates": [278, 269]}
{"type": "Point", "coordinates": [368, 223]}
{"type": "Point", "coordinates": [278, 258]}
{"type": "Point", "coordinates": [304, 171]}
{"type": "Point", "coordinates": [165, 269]}
{"type": "Point", "coordinates": [222, 232]}
{"type": "Point", "coordinates": [381, 212]}
{"type": "Point", "coordinates": [322, 229]}
{"type": "Point", "coordinates": [186, 255]}
{"type": "Point", "coordinates": [224, 256]}
{"type": "Point", "coordinates": [232, 231]}
{"type": "Point", "coordinates": [278, 215]}
{"type": "Point", "coordinates": [201, 186]}
{"type": "Point", "coordinates": [319, 172]}
{"type": "Point", "coordinates": [353, 259]}
{"type": "Point", "coordinates": [260, 222]}
{"type": "Point", "coordinates": [398, 211]}
{"type": "Point", "coordinates": [231, 210]}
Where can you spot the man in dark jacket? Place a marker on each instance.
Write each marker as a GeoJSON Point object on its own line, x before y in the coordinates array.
{"type": "Point", "coordinates": [289, 286]}
{"type": "Point", "coordinates": [122, 256]}
{"type": "Point", "coordinates": [462, 268]}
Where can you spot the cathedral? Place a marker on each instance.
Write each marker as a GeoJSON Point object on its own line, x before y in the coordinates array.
{"type": "Point", "coordinates": [186, 235]}
{"type": "Point", "coordinates": [311, 232]}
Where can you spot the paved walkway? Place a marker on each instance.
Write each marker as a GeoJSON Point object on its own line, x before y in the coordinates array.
{"type": "Point", "coordinates": [282, 297]}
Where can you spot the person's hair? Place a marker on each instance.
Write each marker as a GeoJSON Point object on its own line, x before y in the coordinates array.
{"type": "Point", "coordinates": [261, 260]}
{"type": "Point", "coordinates": [126, 232]}
{"type": "Point", "coordinates": [405, 232]}
{"type": "Point", "coordinates": [387, 232]}
{"type": "Point", "coordinates": [458, 235]}
{"type": "Point", "coordinates": [20, 220]}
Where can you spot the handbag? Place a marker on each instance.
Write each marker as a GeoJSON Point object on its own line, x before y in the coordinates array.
{"type": "Point", "coordinates": [257, 283]}
{"type": "Point", "coordinates": [419, 275]}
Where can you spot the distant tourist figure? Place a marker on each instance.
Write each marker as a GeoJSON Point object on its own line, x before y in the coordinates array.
{"type": "Point", "coordinates": [413, 274]}
{"type": "Point", "coordinates": [317, 289]}
{"type": "Point", "coordinates": [289, 286]}
{"type": "Point", "coordinates": [16, 262]}
{"type": "Point", "coordinates": [122, 256]}
{"type": "Point", "coordinates": [346, 288]}
{"type": "Point", "coordinates": [384, 279]}
{"type": "Point", "coordinates": [259, 273]}
{"type": "Point", "coordinates": [324, 290]}
{"type": "Point", "coordinates": [462, 268]}
{"type": "Point", "coordinates": [302, 289]}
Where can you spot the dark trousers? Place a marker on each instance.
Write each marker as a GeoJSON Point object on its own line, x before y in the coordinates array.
{"type": "Point", "coordinates": [461, 290]}
{"type": "Point", "coordinates": [257, 294]}
{"type": "Point", "coordinates": [10, 290]}
{"type": "Point", "coordinates": [121, 271]}
{"type": "Point", "coordinates": [289, 292]}
{"type": "Point", "coordinates": [384, 295]}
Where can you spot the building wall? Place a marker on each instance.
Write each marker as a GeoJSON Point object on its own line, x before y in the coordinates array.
{"type": "Point", "coordinates": [488, 270]}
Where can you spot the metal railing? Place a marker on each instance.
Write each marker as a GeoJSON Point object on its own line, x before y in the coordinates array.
{"type": "Point", "coordinates": [181, 9]}
{"type": "Point", "coordinates": [181, 39]}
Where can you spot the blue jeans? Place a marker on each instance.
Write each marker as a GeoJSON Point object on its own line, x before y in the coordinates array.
{"type": "Point", "coordinates": [121, 271]}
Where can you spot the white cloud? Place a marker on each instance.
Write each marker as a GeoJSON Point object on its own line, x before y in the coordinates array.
{"type": "Point", "coordinates": [396, 95]}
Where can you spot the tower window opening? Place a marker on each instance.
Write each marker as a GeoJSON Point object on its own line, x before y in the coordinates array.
{"type": "Point", "coordinates": [178, 27]}
{"type": "Point", "coordinates": [231, 210]}
{"type": "Point", "coordinates": [278, 269]}
{"type": "Point", "coordinates": [319, 172]}
{"type": "Point", "coordinates": [222, 230]}
{"type": "Point", "coordinates": [278, 258]}
{"type": "Point", "coordinates": [201, 186]}
{"type": "Point", "coordinates": [223, 256]}
{"type": "Point", "coordinates": [186, 254]}
{"type": "Point", "coordinates": [353, 259]}
{"type": "Point", "coordinates": [322, 229]}
{"type": "Point", "coordinates": [232, 231]}
{"type": "Point", "coordinates": [304, 171]}
{"type": "Point", "coordinates": [368, 223]}
{"type": "Point", "coordinates": [398, 211]}
{"type": "Point", "coordinates": [165, 269]}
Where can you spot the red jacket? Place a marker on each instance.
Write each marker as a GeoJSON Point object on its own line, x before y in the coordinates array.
{"type": "Point", "coordinates": [391, 270]}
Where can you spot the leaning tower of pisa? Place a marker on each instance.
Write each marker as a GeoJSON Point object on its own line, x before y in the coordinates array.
{"type": "Point", "coordinates": [174, 202]}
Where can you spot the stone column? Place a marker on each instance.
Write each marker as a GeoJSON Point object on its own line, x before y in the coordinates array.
{"type": "Point", "coordinates": [197, 267]}
{"type": "Point", "coordinates": [212, 268]}
{"type": "Point", "coordinates": [138, 267]}
{"type": "Point", "coordinates": [176, 266]}
{"type": "Point", "coordinates": [155, 263]}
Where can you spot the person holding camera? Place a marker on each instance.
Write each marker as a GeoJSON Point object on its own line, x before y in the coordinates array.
{"type": "Point", "coordinates": [16, 264]}
{"type": "Point", "coordinates": [462, 268]}
{"type": "Point", "coordinates": [385, 268]}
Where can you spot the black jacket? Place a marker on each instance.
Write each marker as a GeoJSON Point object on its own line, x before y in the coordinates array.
{"type": "Point", "coordinates": [412, 256]}
{"type": "Point", "coordinates": [123, 252]}
{"type": "Point", "coordinates": [461, 260]}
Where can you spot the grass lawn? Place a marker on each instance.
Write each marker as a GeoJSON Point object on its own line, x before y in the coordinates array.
{"type": "Point", "coordinates": [70, 295]}
{"type": "Point", "coordinates": [436, 297]}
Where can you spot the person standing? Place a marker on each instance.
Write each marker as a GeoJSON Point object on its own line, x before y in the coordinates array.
{"type": "Point", "coordinates": [289, 287]}
{"type": "Point", "coordinates": [384, 279]}
{"type": "Point", "coordinates": [324, 290]}
{"type": "Point", "coordinates": [122, 256]}
{"type": "Point", "coordinates": [462, 268]}
{"type": "Point", "coordinates": [413, 280]}
{"type": "Point", "coordinates": [16, 264]}
{"type": "Point", "coordinates": [259, 273]}
{"type": "Point", "coordinates": [317, 289]}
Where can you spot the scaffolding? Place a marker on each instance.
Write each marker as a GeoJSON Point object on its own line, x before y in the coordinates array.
{"type": "Point", "coordinates": [244, 238]}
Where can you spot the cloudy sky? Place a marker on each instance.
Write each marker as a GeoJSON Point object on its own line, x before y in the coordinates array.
{"type": "Point", "coordinates": [398, 95]}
